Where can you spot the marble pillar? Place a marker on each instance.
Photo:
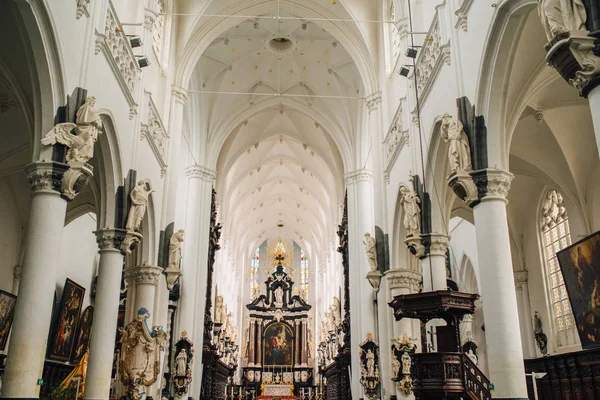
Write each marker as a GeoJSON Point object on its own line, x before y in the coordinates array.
{"type": "Point", "coordinates": [259, 334]}
{"type": "Point", "coordinates": [359, 186]}
{"type": "Point", "coordinates": [33, 311]}
{"type": "Point", "coordinates": [502, 331]}
{"type": "Point", "coordinates": [297, 344]}
{"type": "Point", "coordinates": [434, 265]}
{"type": "Point", "coordinates": [106, 313]}
{"type": "Point", "coordinates": [525, 317]}
{"type": "Point", "coordinates": [304, 343]}
{"type": "Point", "coordinates": [252, 341]}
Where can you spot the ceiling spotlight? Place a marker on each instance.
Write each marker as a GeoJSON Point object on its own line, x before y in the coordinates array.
{"type": "Point", "coordinates": [143, 61]}
{"type": "Point", "coordinates": [404, 71]}
{"type": "Point", "coordinates": [334, 43]}
{"type": "Point", "coordinates": [280, 224]}
{"type": "Point", "coordinates": [256, 25]}
{"type": "Point", "coordinates": [304, 26]}
{"type": "Point", "coordinates": [411, 52]}
{"type": "Point", "coordinates": [135, 41]}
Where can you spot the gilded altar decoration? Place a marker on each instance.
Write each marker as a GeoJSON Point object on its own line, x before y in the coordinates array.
{"type": "Point", "coordinates": [62, 340]}
{"type": "Point", "coordinates": [75, 380]}
{"type": "Point", "coordinates": [140, 354]}
{"type": "Point", "coordinates": [369, 367]}
{"type": "Point", "coordinates": [402, 350]}
{"type": "Point", "coordinates": [173, 270]}
{"type": "Point", "coordinates": [79, 138]}
{"type": "Point", "coordinates": [181, 371]}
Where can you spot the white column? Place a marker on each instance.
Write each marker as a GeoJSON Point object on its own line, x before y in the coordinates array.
{"type": "Point", "coordinates": [34, 305]}
{"type": "Point", "coordinates": [16, 279]}
{"type": "Point", "coordinates": [360, 221]}
{"type": "Point", "coordinates": [594, 98]}
{"type": "Point", "coordinates": [434, 266]}
{"type": "Point", "coordinates": [503, 335]}
{"type": "Point", "coordinates": [106, 314]}
{"type": "Point", "coordinates": [525, 314]}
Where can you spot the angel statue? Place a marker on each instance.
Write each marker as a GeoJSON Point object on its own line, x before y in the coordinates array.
{"type": "Point", "coordinates": [139, 202]}
{"type": "Point", "coordinates": [562, 17]}
{"type": "Point", "coordinates": [412, 211]}
{"type": "Point", "coordinates": [459, 153]}
{"type": "Point", "coordinates": [87, 129]}
{"type": "Point", "coordinates": [175, 245]}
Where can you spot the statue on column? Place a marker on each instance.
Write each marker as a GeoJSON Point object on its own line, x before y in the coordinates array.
{"type": "Point", "coordinates": [459, 152]}
{"type": "Point", "coordinates": [371, 250]}
{"type": "Point", "coordinates": [560, 17]}
{"type": "Point", "coordinates": [278, 293]}
{"type": "Point", "coordinates": [219, 310]}
{"type": "Point", "coordinates": [412, 211]}
{"type": "Point", "coordinates": [139, 202]}
{"type": "Point", "coordinates": [337, 312]}
{"type": "Point", "coordinates": [175, 245]}
{"type": "Point", "coordinates": [181, 361]}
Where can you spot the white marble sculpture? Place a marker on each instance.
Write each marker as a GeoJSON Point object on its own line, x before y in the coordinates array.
{"type": "Point", "coordinates": [87, 128]}
{"type": "Point", "coordinates": [371, 250]}
{"type": "Point", "coordinates": [395, 367]}
{"type": "Point", "coordinates": [412, 211]}
{"type": "Point", "coordinates": [370, 363]}
{"type": "Point", "coordinates": [219, 310]}
{"type": "Point", "coordinates": [459, 153]}
{"type": "Point", "coordinates": [406, 363]}
{"type": "Point", "coordinates": [337, 311]}
{"type": "Point", "coordinates": [175, 245]}
{"type": "Point", "coordinates": [181, 361]}
{"type": "Point", "coordinates": [278, 296]}
{"type": "Point", "coordinates": [139, 202]}
{"type": "Point", "coordinates": [330, 320]}
{"type": "Point", "coordinates": [562, 16]}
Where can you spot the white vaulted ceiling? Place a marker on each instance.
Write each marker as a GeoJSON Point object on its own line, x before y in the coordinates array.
{"type": "Point", "coordinates": [279, 97]}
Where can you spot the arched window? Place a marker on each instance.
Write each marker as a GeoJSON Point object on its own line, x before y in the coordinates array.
{"type": "Point", "coordinates": [254, 272]}
{"type": "Point", "coordinates": [555, 237]}
{"type": "Point", "coordinates": [303, 274]}
{"type": "Point", "coordinates": [158, 32]}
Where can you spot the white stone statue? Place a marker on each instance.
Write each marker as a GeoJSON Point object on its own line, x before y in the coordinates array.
{"type": "Point", "coordinates": [219, 310]}
{"type": "Point", "coordinates": [330, 325]}
{"type": "Point", "coordinates": [459, 153]}
{"type": "Point", "coordinates": [395, 367]}
{"type": "Point", "coordinates": [370, 363]}
{"type": "Point", "coordinates": [562, 16]}
{"type": "Point", "coordinates": [229, 329]}
{"type": "Point", "coordinates": [181, 361]}
{"type": "Point", "coordinates": [406, 363]}
{"type": "Point", "coordinates": [412, 211]}
{"type": "Point", "coordinates": [139, 202]}
{"type": "Point", "coordinates": [278, 295]}
{"type": "Point", "coordinates": [87, 129]}
{"type": "Point", "coordinates": [337, 312]}
{"type": "Point", "coordinates": [371, 250]}
{"type": "Point", "coordinates": [175, 245]}
{"type": "Point", "coordinates": [472, 356]}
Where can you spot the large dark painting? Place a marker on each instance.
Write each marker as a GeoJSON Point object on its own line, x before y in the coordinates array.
{"type": "Point", "coordinates": [84, 333]}
{"type": "Point", "coordinates": [8, 302]}
{"type": "Point", "coordinates": [580, 265]}
{"type": "Point", "coordinates": [279, 345]}
{"type": "Point", "coordinates": [63, 340]}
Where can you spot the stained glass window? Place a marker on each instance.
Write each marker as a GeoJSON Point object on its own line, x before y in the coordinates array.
{"type": "Point", "coordinates": [254, 273]}
{"type": "Point", "coordinates": [303, 274]}
{"type": "Point", "coordinates": [555, 237]}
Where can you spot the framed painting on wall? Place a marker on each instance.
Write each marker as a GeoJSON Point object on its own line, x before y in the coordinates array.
{"type": "Point", "coordinates": [63, 338]}
{"type": "Point", "coordinates": [278, 345]}
{"type": "Point", "coordinates": [580, 266]}
{"type": "Point", "coordinates": [84, 332]}
{"type": "Point", "coordinates": [8, 301]}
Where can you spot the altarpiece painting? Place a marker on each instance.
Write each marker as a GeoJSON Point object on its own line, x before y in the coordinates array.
{"type": "Point", "coordinates": [63, 339]}
{"type": "Point", "coordinates": [580, 265]}
{"type": "Point", "coordinates": [84, 333]}
{"type": "Point", "coordinates": [279, 343]}
{"type": "Point", "coordinates": [8, 302]}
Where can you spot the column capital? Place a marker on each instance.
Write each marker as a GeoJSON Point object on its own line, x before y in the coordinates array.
{"type": "Point", "coordinates": [149, 19]}
{"type": "Point", "coordinates": [46, 176]}
{"type": "Point", "coordinates": [180, 94]}
{"type": "Point", "coordinates": [373, 101]}
{"type": "Point", "coordinates": [17, 272]}
{"type": "Point", "coordinates": [143, 274]}
{"type": "Point", "coordinates": [492, 184]}
{"type": "Point", "coordinates": [521, 278]}
{"type": "Point", "coordinates": [403, 279]}
{"type": "Point", "coordinates": [358, 176]}
{"type": "Point", "coordinates": [438, 244]}
{"type": "Point", "coordinates": [196, 171]}
{"type": "Point", "coordinates": [110, 239]}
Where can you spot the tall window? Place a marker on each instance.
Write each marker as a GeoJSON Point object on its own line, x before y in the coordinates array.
{"type": "Point", "coordinates": [303, 274]}
{"type": "Point", "coordinates": [159, 29]}
{"type": "Point", "coordinates": [254, 273]}
{"type": "Point", "coordinates": [555, 237]}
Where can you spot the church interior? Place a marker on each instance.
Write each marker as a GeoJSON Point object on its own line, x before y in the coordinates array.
{"type": "Point", "coordinates": [299, 199]}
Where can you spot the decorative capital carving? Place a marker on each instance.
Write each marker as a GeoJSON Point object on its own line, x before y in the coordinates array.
{"type": "Point", "coordinates": [110, 239]}
{"type": "Point", "coordinates": [46, 176]}
{"type": "Point", "coordinates": [358, 176]}
{"type": "Point", "coordinates": [403, 279]}
{"type": "Point", "coordinates": [180, 94]}
{"type": "Point", "coordinates": [143, 275]}
{"type": "Point", "coordinates": [521, 279]}
{"type": "Point", "coordinates": [492, 184]}
{"type": "Point", "coordinates": [373, 101]}
{"type": "Point", "coordinates": [83, 8]}
{"type": "Point", "coordinates": [17, 272]}
{"type": "Point", "coordinates": [149, 19]}
{"type": "Point", "coordinates": [439, 244]}
{"type": "Point", "coordinates": [196, 171]}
